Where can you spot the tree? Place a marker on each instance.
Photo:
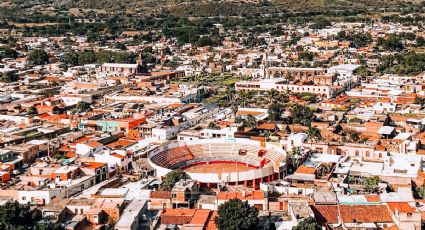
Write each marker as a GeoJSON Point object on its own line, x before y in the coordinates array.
{"type": "Point", "coordinates": [372, 184]}
{"type": "Point", "coordinates": [14, 215]}
{"type": "Point", "coordinates": [293, 158]}
{"type": "Point", "coordinates": [301, 115]}
{"type": "Point", "coordinates": [71, 58]}
{"type": "Point", "coordinates": [249, 121]}
{"type": "Point", "coordinates": [313, 135]}
{"type": "Point", "coordinates": [236, 215]}
{"type": "Point", "coordinates": [7, 52]}
{"type": "Point", "coordinates": [172, 178]}
{"type": "Point", "coordinates": [321, 23]}
{"type": "Point", "coordinates": [213, 125]}
{"type": "Point", "coordinates": [8, 77]}
{"type": "Point", "coordinates": [275, 111]}
{"type": "Point", "coordinates": [38, 57]}
{"type": "Point", "coordinates": [83, 106]}
{"type": "Point", "coordinates": [32, 111]}
{"type": "Point", "coordinates": [49, 226]}
{"type": "Point", "coordinates": [308, 223]}
{"type": "Point", "coordinates": [86, 57]}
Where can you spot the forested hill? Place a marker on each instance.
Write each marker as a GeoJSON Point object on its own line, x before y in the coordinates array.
{"type": "Point", "coordinates": [206, 7]}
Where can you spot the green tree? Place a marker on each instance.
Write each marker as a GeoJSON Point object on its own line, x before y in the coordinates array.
{"type": "Point", "coordinates": [14, 215]}
{"type": "Point", "coordinates": [301, 115]}
{"type": "Point", "coordinates": [392, 43]}
{"type": "Point", "coordinates": [7, 52]}
{"type": "Point", "coordinates": [372, 184]}
{"type": "Point", "coordinates": [321, 23]}
{"type": "Point", "coordinates": [71, 58]}
{"type": "Point", "coordinates": [308, 223]}
{"type": "Point", "coordinates": [8, 77]}
{"type": "Point", "coordinates": [236, 215]}
{"type": "Point", "coordinates": [86, 57]}
{"type": "Point", "coordinates": [313, 135]}
{"type": "Point", "coordinates": [275, 111]}
{"type": "Point", "coordinates": [213, 125]}
{"type": "Point", "coordinates": [83, 106]}
{"type": "Point", "coordinates": [49, 226]}
{"type": "Point", "coordinates": [38, 57]}
{"type": "Point", "coordinates": [32, 111]}
{"type": "Point", "coordinates": [250, 121]}
{"type": "Point", "coordinates": [172, 178]}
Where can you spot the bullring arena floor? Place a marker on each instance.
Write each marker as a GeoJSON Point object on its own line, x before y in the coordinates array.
{"type": "Point", "coordinates": [217, 168]}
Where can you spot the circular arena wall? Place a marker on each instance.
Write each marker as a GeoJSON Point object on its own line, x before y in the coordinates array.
{"type": "Point", "coordinates": [218, 151]}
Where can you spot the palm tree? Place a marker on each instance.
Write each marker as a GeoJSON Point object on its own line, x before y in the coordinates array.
{"type": "Point", "coordinates": [293, 157]}
{"type": "Point", "coordinates": [273, 95]}
{"type": "Point", "coordinates": [313, 135]}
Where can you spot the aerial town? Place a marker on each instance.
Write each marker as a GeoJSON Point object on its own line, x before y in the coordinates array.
{"type": "Point", "coordinates": [288, 121]}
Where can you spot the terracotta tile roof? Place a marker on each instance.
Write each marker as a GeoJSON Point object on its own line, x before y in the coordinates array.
{"type": "Point", "coordinates": [373, 198]}
{"type": "Point", "coordinates": [253, 195]}
{"type": "Point", "coordinates": [177, 216]}
{"type": "Point", "coordinates": [200, 217]}
{"type": "Point", "coordinates": [211, 223]}
{"type": "Point", "coordinates": [420, 152]}
{"type": "Point", "coordinates": [121, 143]}
{"type": "Point", "coordinates": [94, 144]}
{"type": "Point", "coordinates": [328, 214]}
{"type": "Point", "coordinates": [380, 148]}
{"type": "Point", "coordinates": [118, 155]}
{"type": "Point", "coordinates": [160, 194]}
{"type": "Point", "coordinates": [244, 112]}
{"type": "Point", "coordinates": [93, 165]}
{"type": "Point", "coordinates": [400, 206]}
{"type": "Point", "coordinates": [306, 170]}
{"type": "Point", "coordinates": [267, 126]}
{"type": "Point", "coordinates": [71, 154]}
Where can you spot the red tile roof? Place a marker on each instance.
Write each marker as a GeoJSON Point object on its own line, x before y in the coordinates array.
{"type": "Point", "coordinates": [328, 214]}
{"type": "Point", "coordinates": [160, 194]}
{"type": "Point", "coordinates": [177, 216]}
{"type": "Point", "coordinates": [373, 198]}
{"type": "Point", "coordinates": [306, 170]}
{"type": "Point", "coordinates": [93, 165]}
{"type": "Point", "coordinates": [94, 144]}
{"type": "Point", "coordinates": [118, 155]}
{"type": "Point", "coordinates": [401, 207]}
{"type": "Point", "coordinates": [254, 195]}
{"type": "Point", "coordinates": [267, 126]}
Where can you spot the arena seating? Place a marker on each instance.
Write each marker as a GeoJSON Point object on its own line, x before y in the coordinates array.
{"type": "Point", "coordinates": [185, 155]}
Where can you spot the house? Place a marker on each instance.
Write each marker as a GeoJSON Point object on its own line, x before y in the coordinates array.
{"type": "Point", "coordinates": [357, 216]}
{"type": "Point", "coordinates": [183, 193]}
{"type": "Point", "coordinates": [406, 216]}
{"type": "Point", "coordinates": [159, 200]}
{"type": "Point", "coordinates": [56, 211]}
{"type": "Point", "coordinates": [105, 209]}
{"type": "Point", "coordinates": [254, 198]}
{"type": "Point", "coordinates": [132, 216]}
{"type": "Point", "coordinates": [97, 169]}
{"type": "Point", "coordinates": [79, 206]}
{"type": "Point", "coordinates": [188, 218]}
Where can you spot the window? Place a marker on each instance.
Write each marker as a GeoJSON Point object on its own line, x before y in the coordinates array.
{"type": "Point", "coordinates": [380, 155]}
{"type": "Point", "coordinates": [173, 195]}
{"type": "Point", "coordinates": [357, 153]}
{"type": "Point", "coordinates": [409, 214]}
{"type": "Point", "coordinates": [367, 154]}
{"type": "Point", "coordinates": [24, 198]}
{"type": "Point", "coordinates": [76, 211]}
